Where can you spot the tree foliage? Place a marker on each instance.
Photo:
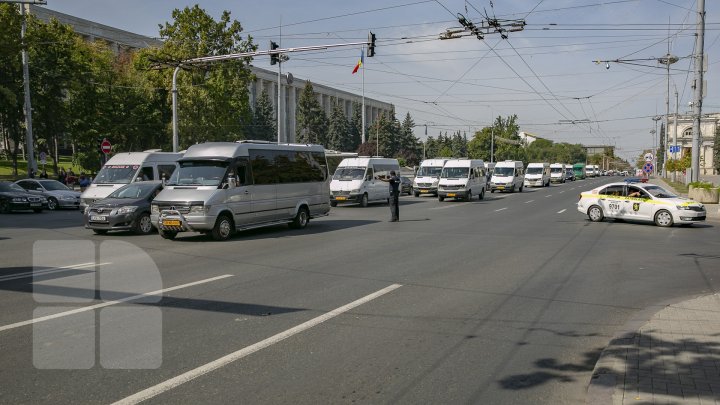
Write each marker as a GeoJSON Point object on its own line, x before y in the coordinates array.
{"type": "Point", "coordinates": [311, 121]}
{"type": "Point", "coordinates": [264, 125]}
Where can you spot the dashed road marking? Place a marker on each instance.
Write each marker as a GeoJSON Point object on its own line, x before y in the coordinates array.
{"type": "Point", "coordinates": [501, 209]}
{"type": "Point", "coordinates": [528, 202]}
{"type": "Point", "coordinates": [561, 211]}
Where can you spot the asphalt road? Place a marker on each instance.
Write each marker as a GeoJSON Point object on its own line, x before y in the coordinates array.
{"type": "Point", "coordinates": [507, 300]}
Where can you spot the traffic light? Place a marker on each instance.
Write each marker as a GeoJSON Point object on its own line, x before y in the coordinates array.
{"type": "Point", "coordinates": [275, 57]}
{"type": "Point", "coordinates": [371, 45]}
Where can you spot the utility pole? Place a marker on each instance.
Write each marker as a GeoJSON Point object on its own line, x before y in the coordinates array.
{"type": "Point", "coordinates": [667, 61]}
{"type": "Point", "coordinates": [29, 147]}
{"type": "Point", "coordinates": [697, 106]}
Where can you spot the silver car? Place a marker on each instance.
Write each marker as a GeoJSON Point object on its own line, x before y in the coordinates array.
{"type": "Point", "coordinates": [57, 194]}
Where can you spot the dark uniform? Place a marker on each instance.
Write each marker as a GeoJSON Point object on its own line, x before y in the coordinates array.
{"type": "Point", "coordinates": [394, 197]}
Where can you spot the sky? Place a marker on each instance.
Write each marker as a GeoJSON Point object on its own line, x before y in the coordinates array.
{"type": "Point", "coordinates": [545, 74]}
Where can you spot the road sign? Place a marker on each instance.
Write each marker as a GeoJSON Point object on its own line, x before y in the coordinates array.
{"type": "Point", "coordinates": [675, 149]}
{"type": "Point", "coordinates": [106, 146]}
{"type": "Point", "coordinates": [648, 168]}
{"type": "Point", "coordinates": [43, 158]}
{"type": "Point", "coordinates": [648, 157]}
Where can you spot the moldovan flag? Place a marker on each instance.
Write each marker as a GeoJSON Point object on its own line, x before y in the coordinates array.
{"type": "Point", "coordinates": [360, 62]}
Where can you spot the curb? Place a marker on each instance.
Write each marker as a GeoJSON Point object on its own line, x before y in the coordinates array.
{"type": "Point", "coordinates": [603, 384]}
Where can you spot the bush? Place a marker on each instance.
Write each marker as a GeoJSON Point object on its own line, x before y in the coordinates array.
{"type": "Point", "coordinates": [701, 184]}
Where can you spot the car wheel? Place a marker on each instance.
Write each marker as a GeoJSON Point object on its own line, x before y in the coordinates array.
{"type": "Point", "coordinates": [595, 213]}
{"type": "Point", "coordinates": [441, 198]}
{"type": "Point", "coordinates": [364, 200]}
{"type": "Point", "coordinates": [4, 207]}
{"type": "Point", "coordinates": [417, 194]}
{"type": "Point", "coordinates": [333, 203]}
{"type": "Point", "coordinates": [143, 225]}
{"type": "Point", "coordinates": [301, 219]}
{"type": "Point", "coordinates": [468, 196]}
{"type": "Point", "coordinates": [52, 203]}
{"type": "Point", "coordinates": [663, 218]}
{"type": "Point", "coordinates": [223, 228]}
{"type": "Point", "coordinates": [492, 190]}
{"type": "Point", "coordinates": [482, 194]}
{"type": "Point", "coordinates": [100, 231]}
{"type": "Point", "coordinates": [167, 234]}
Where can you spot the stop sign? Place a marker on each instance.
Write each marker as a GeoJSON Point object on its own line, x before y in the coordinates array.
{"type": "Point", "coordinates": [105, 146]}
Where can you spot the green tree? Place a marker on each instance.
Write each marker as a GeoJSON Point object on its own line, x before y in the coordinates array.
{"type": "Point", "coordinates": [355, 128]}
{"type": "Point", "coordinates": [311, 120]}
{"type": "Point", "coordinates": [213, 100]}
{"type": "Point", "coordinates": [11, 96]}
{"type": "Point", "coordinates": [264, 126]}
{"type": "Point", "coordinates": [339, 129]}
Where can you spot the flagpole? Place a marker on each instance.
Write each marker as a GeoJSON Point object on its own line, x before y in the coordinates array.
{"type": "Point", "coordinates": [363, 96]}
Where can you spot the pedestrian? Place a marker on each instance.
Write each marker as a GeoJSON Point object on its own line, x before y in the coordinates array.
{"type": "Point", "coordinates": [84, 182]}
{"type": "Point", "coordinates": [394, 181]}
{"type": "Point", "coordinates": [31, 173]}
{"type": "Point", "coordinates": [43, 174]}
{"type": "Point", "coordinates": [62, 176]}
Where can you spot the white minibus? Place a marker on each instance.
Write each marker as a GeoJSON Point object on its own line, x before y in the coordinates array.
{"type": "Point", "coordinates": [357, 180]}
{"type": "Point", "coordinates": [537, 175]}
{"type": "Point", "coordinates": [462, 178]}
{"type": "Point", "coordinates": [508, 175]}
{"type": "Point", "coordinates": [558, 172]}
{"type": "Point", "coordinates": [427, 177]}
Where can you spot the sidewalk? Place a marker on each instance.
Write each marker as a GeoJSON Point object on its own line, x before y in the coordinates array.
{"type": "Point", "coordinates": [672, 358]}
{"type": "Point", "coordinates": [713, 210]}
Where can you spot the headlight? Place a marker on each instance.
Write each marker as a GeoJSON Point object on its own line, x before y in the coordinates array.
{"type": "Point", "coordinates": [197, 209]}
{"type": "Point", "coordinates": [682, 207]}
{"type": "Point", "coordinates": [154, 210]}
{"type": "Point", "coordinates": [19, 199]}
{"type": "Point", "coordinates": [127, 210]}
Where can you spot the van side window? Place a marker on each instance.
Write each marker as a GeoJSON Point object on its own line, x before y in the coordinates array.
{"type": "Point", "coordinates": [147, 173]}
{"type": "Point", "coordinates": [165, 171]}
{"type": "Point", "coordinates": [369, 173]}
{"type": "Point", "coordinates": [263, 167]}
{"type": "Point", "coordinates": [240, 168]}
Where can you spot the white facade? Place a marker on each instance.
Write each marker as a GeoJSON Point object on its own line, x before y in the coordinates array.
{"type": "Point", "coordinates": [708, 126]}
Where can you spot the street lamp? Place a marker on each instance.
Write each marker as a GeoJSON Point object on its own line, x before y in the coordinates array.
{"type": "Point", "coordinates": [667, 60]}
{"type": "Point", "coordinates": [655, 141]}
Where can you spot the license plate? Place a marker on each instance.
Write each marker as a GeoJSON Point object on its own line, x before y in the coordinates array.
{"type": "Point", "coordinates": [341, 198]}
{"type": "Point", "coordinates": [98, 218]}
{"type": "Point", "coordinates": [501, 187]}
{"type": "Point", "coordinates": [171, 222]}
{"type": "Point", "coordinates": [451, 195]}
{"type": "Point", "coordinates": [424, 191]}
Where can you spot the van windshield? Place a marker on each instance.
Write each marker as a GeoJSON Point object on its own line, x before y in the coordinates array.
{"type": "Point", "coordinates": [199, 173]}
{"type": "Point", "coordinates": [349, 173]}
{"type": "Point", "coordinates": [504, 171]}
{"type": "Point", "coordinates": [116, 174]}
{"type": "Point", "coordinates": [429, 171]}
{"type": "Point", "coordinates": [454, 172]}
{"type": "Point", "coordinates": [556, 170]}
{"type": "Point", "coordinates": [534, 170]}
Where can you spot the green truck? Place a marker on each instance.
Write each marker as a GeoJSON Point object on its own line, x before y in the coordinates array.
{"type": "Point", "coordinates": [579, 170]}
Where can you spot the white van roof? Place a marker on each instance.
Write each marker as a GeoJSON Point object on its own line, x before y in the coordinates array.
{"type": "Point", "coordinates": [509, 163]}
{"type": "Point", "coordinates": [536, 164]}
{"type": "Point", "coordinates": [365, 161]}
{"type": "Point", "coordinates": [557, 165]}
{"type": "Point", "coordinates": [229, 150]}
{"type": "Point", "coordinates": [138, 158]}
{"type": "Point", "coordinates": [438, 162]}
{"type": "Point", "coordinates": [464, 163]}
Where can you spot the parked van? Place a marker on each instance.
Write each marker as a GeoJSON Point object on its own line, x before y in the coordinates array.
{"type": "Point", "coordinates": [579, 170]}
{"type": "Point", "coordinates": [537, 175]}
{"type": "Point", "coordinates": [508, 175]}
{"type": "Point", "coordinates": [357, 180]}
{"type": "Point", "coordinates": [557, 173]}
{"type": "Point", "coordinates": [427, 177]}
{"type": "Point", "coordinates": [222, 187]}
{"type": "Point", "coordinates": [126, 167]}
{"type": "Point", "coordinates": [462, 178]}
{"type": "Point", "coordinates": [592, 171]}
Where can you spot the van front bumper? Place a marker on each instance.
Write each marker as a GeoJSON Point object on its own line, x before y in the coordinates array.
{"type": "Point", "coordinates": [174, 221]}
{"type": "Point", "coordinates": [350, 197]}
{"type": "Point", "coordinates": [534, 183]}
{"type": "Point", "coordinates": [452, 193]}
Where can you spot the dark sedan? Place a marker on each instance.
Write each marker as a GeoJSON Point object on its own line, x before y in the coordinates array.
{"type": "Point", "coordinates": [406, 185]}
{"type": "Point", "coordinates": [15, 198]}
{"type": "Point", "coordinates": [126, 209]}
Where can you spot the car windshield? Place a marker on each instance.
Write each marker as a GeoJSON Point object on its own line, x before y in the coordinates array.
{"type": "Point", "coordinates": [11, 187]}
{"type": "Point", "coordinates": [53, 185]}
{"type": "Point", "coordinates": [349, 173]}
{"type": "Point", "coordinates": [504, 171]}
{"type": "Point", "coordinates": [199, 173]}
{"type": "Point", "coordinates": [429, 171]}
{"type": "Point", "coordinates": [134, 190]}
{"type": "Point", "coordinates": [454, 172]}
{"type": "Point", "coordinates": [556, 170]}
{"type": "Point", "coordinates": [534, 170]}
{"type": "Point", "coordinates": [116, 174]}
{"type": "Point", "coordinates": [659, 192]}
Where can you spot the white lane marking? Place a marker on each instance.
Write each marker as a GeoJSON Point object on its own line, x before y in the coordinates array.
{"type": "Point", "coordinates": [528, 202]}
{"type": "Point", "coordinates": [562, 191]}
{"type": "Point", "coordinates": [108, 303]}
{"type": "Point", "coordinates": [561, 211]}
{"type": "Point", "coordinates": [244, 352]}
{"type": "Point", "coordinates": [450, 206]}
{"type": "Point", "coordinates": [549, 195]}
{"type": "Point", "coordinates": [500, 209]}
{"type": "Point", "coordinates": [50, 271]}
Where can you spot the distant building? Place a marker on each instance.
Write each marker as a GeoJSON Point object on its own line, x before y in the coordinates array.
{"type": "Point", "coordinates": [709, 124]}
{"type": "Point", "coordinates": [121, 41]}
{"type": "Point", "coordinates": [527, 138]}
{"type": "Point", "coordinates": [607, 150]}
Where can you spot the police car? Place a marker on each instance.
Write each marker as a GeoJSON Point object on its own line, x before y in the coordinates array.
{"type": "Point", "coordinates": [641, 202]}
